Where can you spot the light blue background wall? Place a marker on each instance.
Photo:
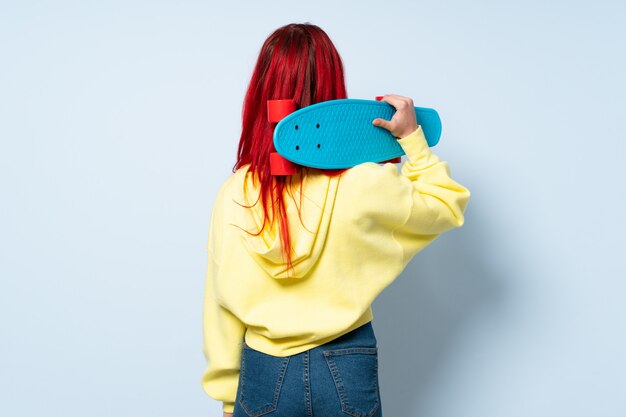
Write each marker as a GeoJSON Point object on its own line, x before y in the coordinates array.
{"type": "Point", "coordinates": [119, 120]}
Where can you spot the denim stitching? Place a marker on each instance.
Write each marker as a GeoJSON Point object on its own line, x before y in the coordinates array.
{"type": "Point", "coordinates": [351, 350]}
{"type": "Point", "coordinates": [277, 389]}
{"type": "Point", "coordinates": [279, 384]}
{"type": "Point", "coordinates": [339, 381]}
{"type": "Point", "coordinates": [307, 386]}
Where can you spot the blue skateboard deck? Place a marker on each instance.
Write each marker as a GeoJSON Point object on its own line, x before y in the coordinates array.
{"type": "Point", "coordinates": [338, 134]}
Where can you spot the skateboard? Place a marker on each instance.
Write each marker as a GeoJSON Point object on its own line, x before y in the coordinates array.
{"type": "Point", "coordinates": [335, 135]}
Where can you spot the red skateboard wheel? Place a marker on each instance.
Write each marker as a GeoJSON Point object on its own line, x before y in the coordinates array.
{"type": "Point", "coordinates": [278, 109]}
{"type": "Point", "coordinates": [281, 166]}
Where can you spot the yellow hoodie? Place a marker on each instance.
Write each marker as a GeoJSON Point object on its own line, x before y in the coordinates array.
{"type": "Point", "coordinates": [361, 228]}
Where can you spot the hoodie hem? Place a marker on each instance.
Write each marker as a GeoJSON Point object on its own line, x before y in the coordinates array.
{"type": "Point", "coordinates": [262, 344]}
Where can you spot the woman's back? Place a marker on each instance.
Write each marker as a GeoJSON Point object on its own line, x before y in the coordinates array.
{"type": "Point", "coordinates": [352, 235]}
{"type": "Point", "coordinates": [295, 262]}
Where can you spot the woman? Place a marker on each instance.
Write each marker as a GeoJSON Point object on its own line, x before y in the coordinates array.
{"type": "Point", "coordinates": [296, 261]}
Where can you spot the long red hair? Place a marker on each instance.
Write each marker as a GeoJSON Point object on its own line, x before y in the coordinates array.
{"type": "Point", "coordinates": [297, 61]}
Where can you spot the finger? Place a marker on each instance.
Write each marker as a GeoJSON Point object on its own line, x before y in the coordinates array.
{"type": "Point", "coordinates": [382, 123]}
{"type": "Point", "coordinates": [404, 98]}
{"type": "Point", "coordinates": [407, 100]}
{"type": "Point", "coordinates": [395, 101]}
{"type": "Point", "coordinates": [392, 96]}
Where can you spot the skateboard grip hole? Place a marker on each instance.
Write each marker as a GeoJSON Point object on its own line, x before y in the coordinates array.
{"type": "Point", "coordinates": [297, 147]}
{"type": "Point", "coordinates": [317, 126]}
{"type": "Point", "coordinates": [318, 146]}
{"type": "Point", "coordinates": [296, 127]}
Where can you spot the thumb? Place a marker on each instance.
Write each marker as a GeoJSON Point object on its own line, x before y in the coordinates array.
{"type": "Point", "coordinates": [381, 122]}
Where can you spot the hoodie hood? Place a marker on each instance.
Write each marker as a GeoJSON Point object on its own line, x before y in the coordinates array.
{"type": "Point", "coordinates": [308, 229]}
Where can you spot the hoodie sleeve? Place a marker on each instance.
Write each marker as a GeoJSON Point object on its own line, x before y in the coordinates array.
{"type": "Point", "coordinates": [411, 207]}
{"type": "Point", "coordinates": [223, 332]}
{"type": "Point", "coordinates": [433, 202]}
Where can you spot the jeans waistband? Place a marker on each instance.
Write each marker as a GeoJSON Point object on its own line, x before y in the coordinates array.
{"type": "Point", "coordinates": [362, 336]}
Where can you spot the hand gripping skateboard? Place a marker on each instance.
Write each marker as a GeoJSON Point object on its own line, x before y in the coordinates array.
{"type": "Point", "coordinates": [335, 135]}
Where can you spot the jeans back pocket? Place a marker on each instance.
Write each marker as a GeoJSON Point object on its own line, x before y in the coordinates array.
{"type": "Point", "coordinates": [260, 378]}
{"type": "Point", "coordinates": [355, 372]}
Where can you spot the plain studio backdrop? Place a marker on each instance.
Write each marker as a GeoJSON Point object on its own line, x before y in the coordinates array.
{"type": "Point", "coordinates": [119, 120]}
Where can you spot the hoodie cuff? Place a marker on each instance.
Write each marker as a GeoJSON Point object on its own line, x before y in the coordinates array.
{"type": "Point", "coordinates": [415, 145]}
{"type": "Point", "coordinates": [228, 406]}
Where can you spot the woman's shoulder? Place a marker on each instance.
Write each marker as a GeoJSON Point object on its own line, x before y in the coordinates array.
{"type": "Point", "coordinates": [374, 191]}
{"type": "Point", "coordinates": [370, 175]}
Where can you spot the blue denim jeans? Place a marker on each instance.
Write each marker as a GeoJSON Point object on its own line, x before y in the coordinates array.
{"type": "Point", "coordinates": [336, 379]}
